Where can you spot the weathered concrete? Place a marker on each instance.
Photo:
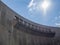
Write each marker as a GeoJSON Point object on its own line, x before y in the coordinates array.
{"type": "Point", "coordinates": [12, 35]}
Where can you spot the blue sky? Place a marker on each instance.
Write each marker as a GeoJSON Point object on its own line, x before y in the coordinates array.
{"type": "Point", "coordinates": [32, 10]}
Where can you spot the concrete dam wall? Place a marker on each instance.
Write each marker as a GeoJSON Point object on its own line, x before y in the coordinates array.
{"type": "Point", "coordinates": [16, 30]}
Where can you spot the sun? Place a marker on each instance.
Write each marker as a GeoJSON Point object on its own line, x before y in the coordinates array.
{"type": "Point", "coordinates": [45, 5]}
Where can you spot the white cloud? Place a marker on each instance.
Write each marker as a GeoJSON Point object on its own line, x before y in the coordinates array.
{"type": "Point", "coordinates": [33, 5]}
{"type": "Point", "coordinates": [57, 21]}
{"type": "Point", "coordinates": [59, 16]}
{"type": "Point", "coordinates": [36, 5]}
{"type": "Point", "coordinates": [57, 24]}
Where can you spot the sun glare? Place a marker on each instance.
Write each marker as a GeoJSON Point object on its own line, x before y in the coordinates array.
{"type": "Point", "coordinates": [45, 6]}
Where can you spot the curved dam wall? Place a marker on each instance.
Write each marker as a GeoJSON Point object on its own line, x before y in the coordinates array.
{"type": "Point", "coordinates": [16, 30]}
